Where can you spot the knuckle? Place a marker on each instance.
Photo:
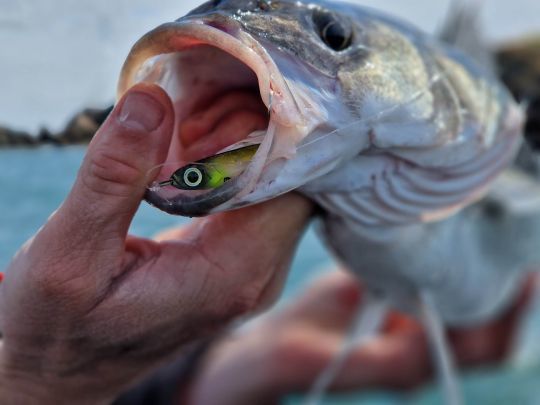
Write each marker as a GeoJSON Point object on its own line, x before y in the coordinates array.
{"type": "Point", "coordinates": [245, 301]}
{"type": "Point", "coordinates": [64, 280]}
{"type": "Point", "coordinates": [238, 299]}
{"type": "Point", "coordinates": [109, 173]}
{"type": "Point", "coordinates": [58, 286]}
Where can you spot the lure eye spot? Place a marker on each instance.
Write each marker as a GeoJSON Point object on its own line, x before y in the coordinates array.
{"type": "Point", "coordinates": [211, 172]}
{"type": "Point", "coordinates": [193, 177]}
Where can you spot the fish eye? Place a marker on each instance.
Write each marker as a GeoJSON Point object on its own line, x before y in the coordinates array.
{"type": "Point", "coordinates": [265, 5]}
{"type": "Point", "coordinates": [332, 31]}
{"type": "Point", "coordinates": [216, 3]}
{"type": "Point", "coordinates": [193, 177]}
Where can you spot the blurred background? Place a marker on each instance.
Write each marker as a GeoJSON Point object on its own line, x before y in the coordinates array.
{"type": "Point", "coordinates": [61, 56]}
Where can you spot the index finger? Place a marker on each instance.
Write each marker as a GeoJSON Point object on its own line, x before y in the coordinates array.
{"type": "Point", "coordinates": [244, 253]}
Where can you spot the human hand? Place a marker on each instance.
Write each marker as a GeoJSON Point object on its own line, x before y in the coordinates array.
{"type": "Point", "coordinates": [86, 310]}
{"type": "Point", "coordinates": [286, 351]}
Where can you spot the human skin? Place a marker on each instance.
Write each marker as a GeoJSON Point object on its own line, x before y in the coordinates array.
{"type": "Point", "coordinates": [86, 310]}
{"type": "Point", "coordinates": [285, 351]}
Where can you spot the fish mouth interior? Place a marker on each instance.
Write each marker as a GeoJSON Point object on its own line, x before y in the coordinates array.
{"type": "Point", "coordinates": [231, 89]}
{"type": "Point", "coordinates": [217, 103]}
{"type": "Point", "coordinates": [227, 93]}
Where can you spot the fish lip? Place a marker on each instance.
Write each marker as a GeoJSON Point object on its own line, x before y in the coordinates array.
{"type": "Point", "coordinates": [227, 36]}
{"type": "Point", "coordinates": [197, 206]}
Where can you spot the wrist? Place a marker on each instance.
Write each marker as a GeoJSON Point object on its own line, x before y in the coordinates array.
{"type": "Point", "coordinates": [17, 390]}
{"type": "Point", "coordinates": [22, 385]}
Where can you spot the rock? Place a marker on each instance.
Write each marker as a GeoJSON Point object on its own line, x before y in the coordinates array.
{"type": "Point", "coordinates": [519, 67]}
{"type": "Point", "coordinates": [79, 130]}
{"type": "Point", "coordinates": [9, 137]}
{"type": "Point", "coordinates": [45, 137]}
{"type": "Point", "coordinates": [533, 124]}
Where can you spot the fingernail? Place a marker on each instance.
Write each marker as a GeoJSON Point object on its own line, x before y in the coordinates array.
{"type": "Point", "coordinates": [141, 111]}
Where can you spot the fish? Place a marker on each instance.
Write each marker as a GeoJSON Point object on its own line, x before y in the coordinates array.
{"type": "Point", "coordinates": [400, 138]}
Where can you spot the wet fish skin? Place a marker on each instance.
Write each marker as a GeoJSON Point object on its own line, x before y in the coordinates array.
{"type": "Point", "coordinates": [389, 60]}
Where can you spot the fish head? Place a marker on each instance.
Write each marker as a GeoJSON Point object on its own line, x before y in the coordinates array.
{"type": "Point", "coordinates": [316, 84]}
{"type": "Point", "coordinates": [239, 72]}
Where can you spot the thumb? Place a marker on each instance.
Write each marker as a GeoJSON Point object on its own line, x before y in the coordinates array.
{"type": "Point", "coordinates": [116, 170]}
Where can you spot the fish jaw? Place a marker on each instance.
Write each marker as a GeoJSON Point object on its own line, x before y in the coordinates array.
{"type": "Point", "coordinates": [178, 36]}
{"type": "Point", "coordinates": [297, 111]}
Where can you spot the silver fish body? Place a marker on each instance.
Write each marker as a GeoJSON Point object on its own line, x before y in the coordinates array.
{"type": "Point", "coordinates": [395, 135]}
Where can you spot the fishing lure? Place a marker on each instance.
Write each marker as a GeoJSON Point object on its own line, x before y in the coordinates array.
{"type": "Point", "coordinates": [212, 172]}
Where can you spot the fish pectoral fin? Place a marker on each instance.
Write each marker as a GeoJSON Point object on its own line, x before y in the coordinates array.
{"type": "Point", "coordinates": [516, 193]}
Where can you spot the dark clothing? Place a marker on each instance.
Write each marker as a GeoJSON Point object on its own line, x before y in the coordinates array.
{"type": "Point", "coordinates": [165, 387]}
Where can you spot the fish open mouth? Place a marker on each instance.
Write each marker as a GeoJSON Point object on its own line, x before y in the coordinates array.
{"type": "Point", "coordinates": [227, 92]}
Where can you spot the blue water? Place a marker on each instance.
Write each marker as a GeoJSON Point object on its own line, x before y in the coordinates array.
{"type": "Point", "coordinates": [34, 182]}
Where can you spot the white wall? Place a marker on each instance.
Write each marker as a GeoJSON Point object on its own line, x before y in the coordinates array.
{"type": "Point", "coordinates": [58, 56]}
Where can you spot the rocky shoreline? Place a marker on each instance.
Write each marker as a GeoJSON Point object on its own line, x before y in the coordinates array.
{"type": "Point", "coordinates": [79, 130]}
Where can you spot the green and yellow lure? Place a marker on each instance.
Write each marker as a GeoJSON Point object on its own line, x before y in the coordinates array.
{"type": "Point", "coordinates": [212, 172]}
